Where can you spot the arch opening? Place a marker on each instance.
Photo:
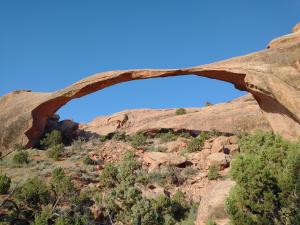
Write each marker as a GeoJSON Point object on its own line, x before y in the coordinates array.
{"type": "Point", "coordinates": [172, 92]}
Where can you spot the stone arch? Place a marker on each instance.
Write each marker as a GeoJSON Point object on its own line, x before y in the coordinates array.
{"type": "Point", "coordinates": [272, 76]}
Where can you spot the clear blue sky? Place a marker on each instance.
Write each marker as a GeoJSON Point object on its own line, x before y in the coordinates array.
{"type": "Point", "coordinates": [47, 45]}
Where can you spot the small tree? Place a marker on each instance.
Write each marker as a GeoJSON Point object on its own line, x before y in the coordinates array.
{"type": "Point", "coordinates": [210, 222]}
{"type": "Point", "coordinates": [213, 172]}
{"type": "Point", "coordinates": [61, 184]}
{"type": "Point", "coordinates": [43, 217]}
{"type": "Point", "coordinates": [88, 161]}
{"type": "Point", "coordinates": [108, 175]}
{"type": "Point", "coordinates": [52, 139]}
{"type": "Point", "coordinates": [267, 182]}
{"type": "Point", "coordinates": [4, 184]}
{"type": "Point", "coordinates": [55, 151]}
{"type": "Point", "coordinates": [197, 143]}
{"type": "Point", "coordinates": [180, 111]}
{"type": "Point", "coordinates": [119, 136]}
{"type": "Point", "coordinates": [167, 137]}
{"type": "Point", "coordinates": [103, 138]}
{"type": "Point", "coordinates": [138, 140]}
{"type": "Point", "coordinates": [34, 193]}
{"type": "Point", "coordinates": [63, 220]}
{"type": "Point", "coordinates": [21, 157]}
{"type": "Point", "coordinates": [77, 145]}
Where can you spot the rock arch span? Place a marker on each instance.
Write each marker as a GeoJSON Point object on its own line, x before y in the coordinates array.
{"type": "Point", "coordinates": [272, 76]}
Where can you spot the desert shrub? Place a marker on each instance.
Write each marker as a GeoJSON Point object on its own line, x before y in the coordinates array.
{"type": "Point", "coordinates": [4, 184]}
{"type": "Point", "coordinates": [172, 176]}
{"type": "Point", "coordinates": [21, 157]}
{"type": "Point", "coordinates": [138, 140]}
{"type": "Point", "coordinates": [163, 206]}
{"type": "Point", "coordinates": [253, 143]}
{"type": "Point", "coordinates": [63, 220]}
{"type": "Point", "coordinates": [88, 161]}
{"type": "Point", "coordinates": [34, 193]}
{"type": "Point", "coordinates": [171, 210]}
{"type": "Point", "coordinates": [128, 168]}
{"type": "Point", "coordinates": [55, 151]}
{"type": "Point", "coordinates": [156, 177]}
{"type": "Point", "coordinates": [77, 145]}
{"type": "Point", "coordinates": [103, 138]}
{"type": "Point", "coordinates": [74, 219]}
{"type": "Point", "coordinates": [210, 222]}
{"type": "Point", "coordinates": [191, 215]}
{"type": "Point", "coordinates": [267, 181]}
{"type": "Point", "coordinates": [108, 175]}
{"type": "Point", "coordinates": [81, 213]}
{"type": "Point", "coordinates": [141, 176]}
{"type": "Point", "coordinates": [83, 199]}
{"type": "Point", "coordinates": [52, 139]}
{"type": "Point", "coordinates": [167, 137]}
{"type": "Point", "coordinates": [213, 172]}
{"type": "Point", "coordinates": [180, 206]}
{"type": "Point", "coordinates": [43, 217]}
{"type": "Point", "coordinates": [143, 212]}
{"type": "Point", "coordinates": [207, 103]}
{"type": "Point", "coordinates": [214, 133]}
{"type": "Point", "coordinates": [125, 203]}
{"type": "Point", "coordinates": [196, 144]}
{"type": "Point", "coordinates": [19, 147]}
{"type": "Point", "coordinates": [185, 134]}
{"type": "Point", "coordinates": [180, 111]}
{"type": "Point", "coordinates": [119, 136]}
{"type": "Point", "coordinates": [61, 184]}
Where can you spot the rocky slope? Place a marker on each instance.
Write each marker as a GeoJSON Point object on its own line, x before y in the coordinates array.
{"type": "Point", "coordinates": [166, 163]}
{"type": "Point", "coordinates": [272, 76]}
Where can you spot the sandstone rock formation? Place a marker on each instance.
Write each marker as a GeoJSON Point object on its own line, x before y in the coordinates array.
{"type": "Point", "coordinates": [156, 159]}
{"type": "Point", "coordinates": [212, 205]}
{"type": "Point", "coordinates": [272, 76]}
{"type": "Point", "coordinates": [242, 114]}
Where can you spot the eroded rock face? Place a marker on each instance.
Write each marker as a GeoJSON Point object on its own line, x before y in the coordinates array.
{"type": "Point", "coordinates": [272, 76]}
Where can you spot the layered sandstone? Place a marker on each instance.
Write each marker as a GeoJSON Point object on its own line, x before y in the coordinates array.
{"type": "Point", "coordinates": [272, 76]}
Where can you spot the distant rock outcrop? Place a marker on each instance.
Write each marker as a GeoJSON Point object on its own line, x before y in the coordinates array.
{"type": "Point", "coordinates": [242, 114]}
{"type": "Point", "coordinates": [272, 76]}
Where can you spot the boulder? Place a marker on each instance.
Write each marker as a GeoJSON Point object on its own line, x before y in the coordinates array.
{"type": "Point", "coordinates": [199, 159]}
{"type": "Point", "coordinates": [218, 144]}
{"type": "Point", "coordinates": [212, 204]}
{"type": "Point", "coordinates": [222, 159]}
{"type": "Point", "coordinates": [233, 139]}
{"type": "Point", "coordinates": [175, 146]}
{"type": "Point", "coordinates": [207, 145]}
{"type": "Point", "coordinates": [231, 149]}
{"type": "Point", "coordinates": [156, 159]}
